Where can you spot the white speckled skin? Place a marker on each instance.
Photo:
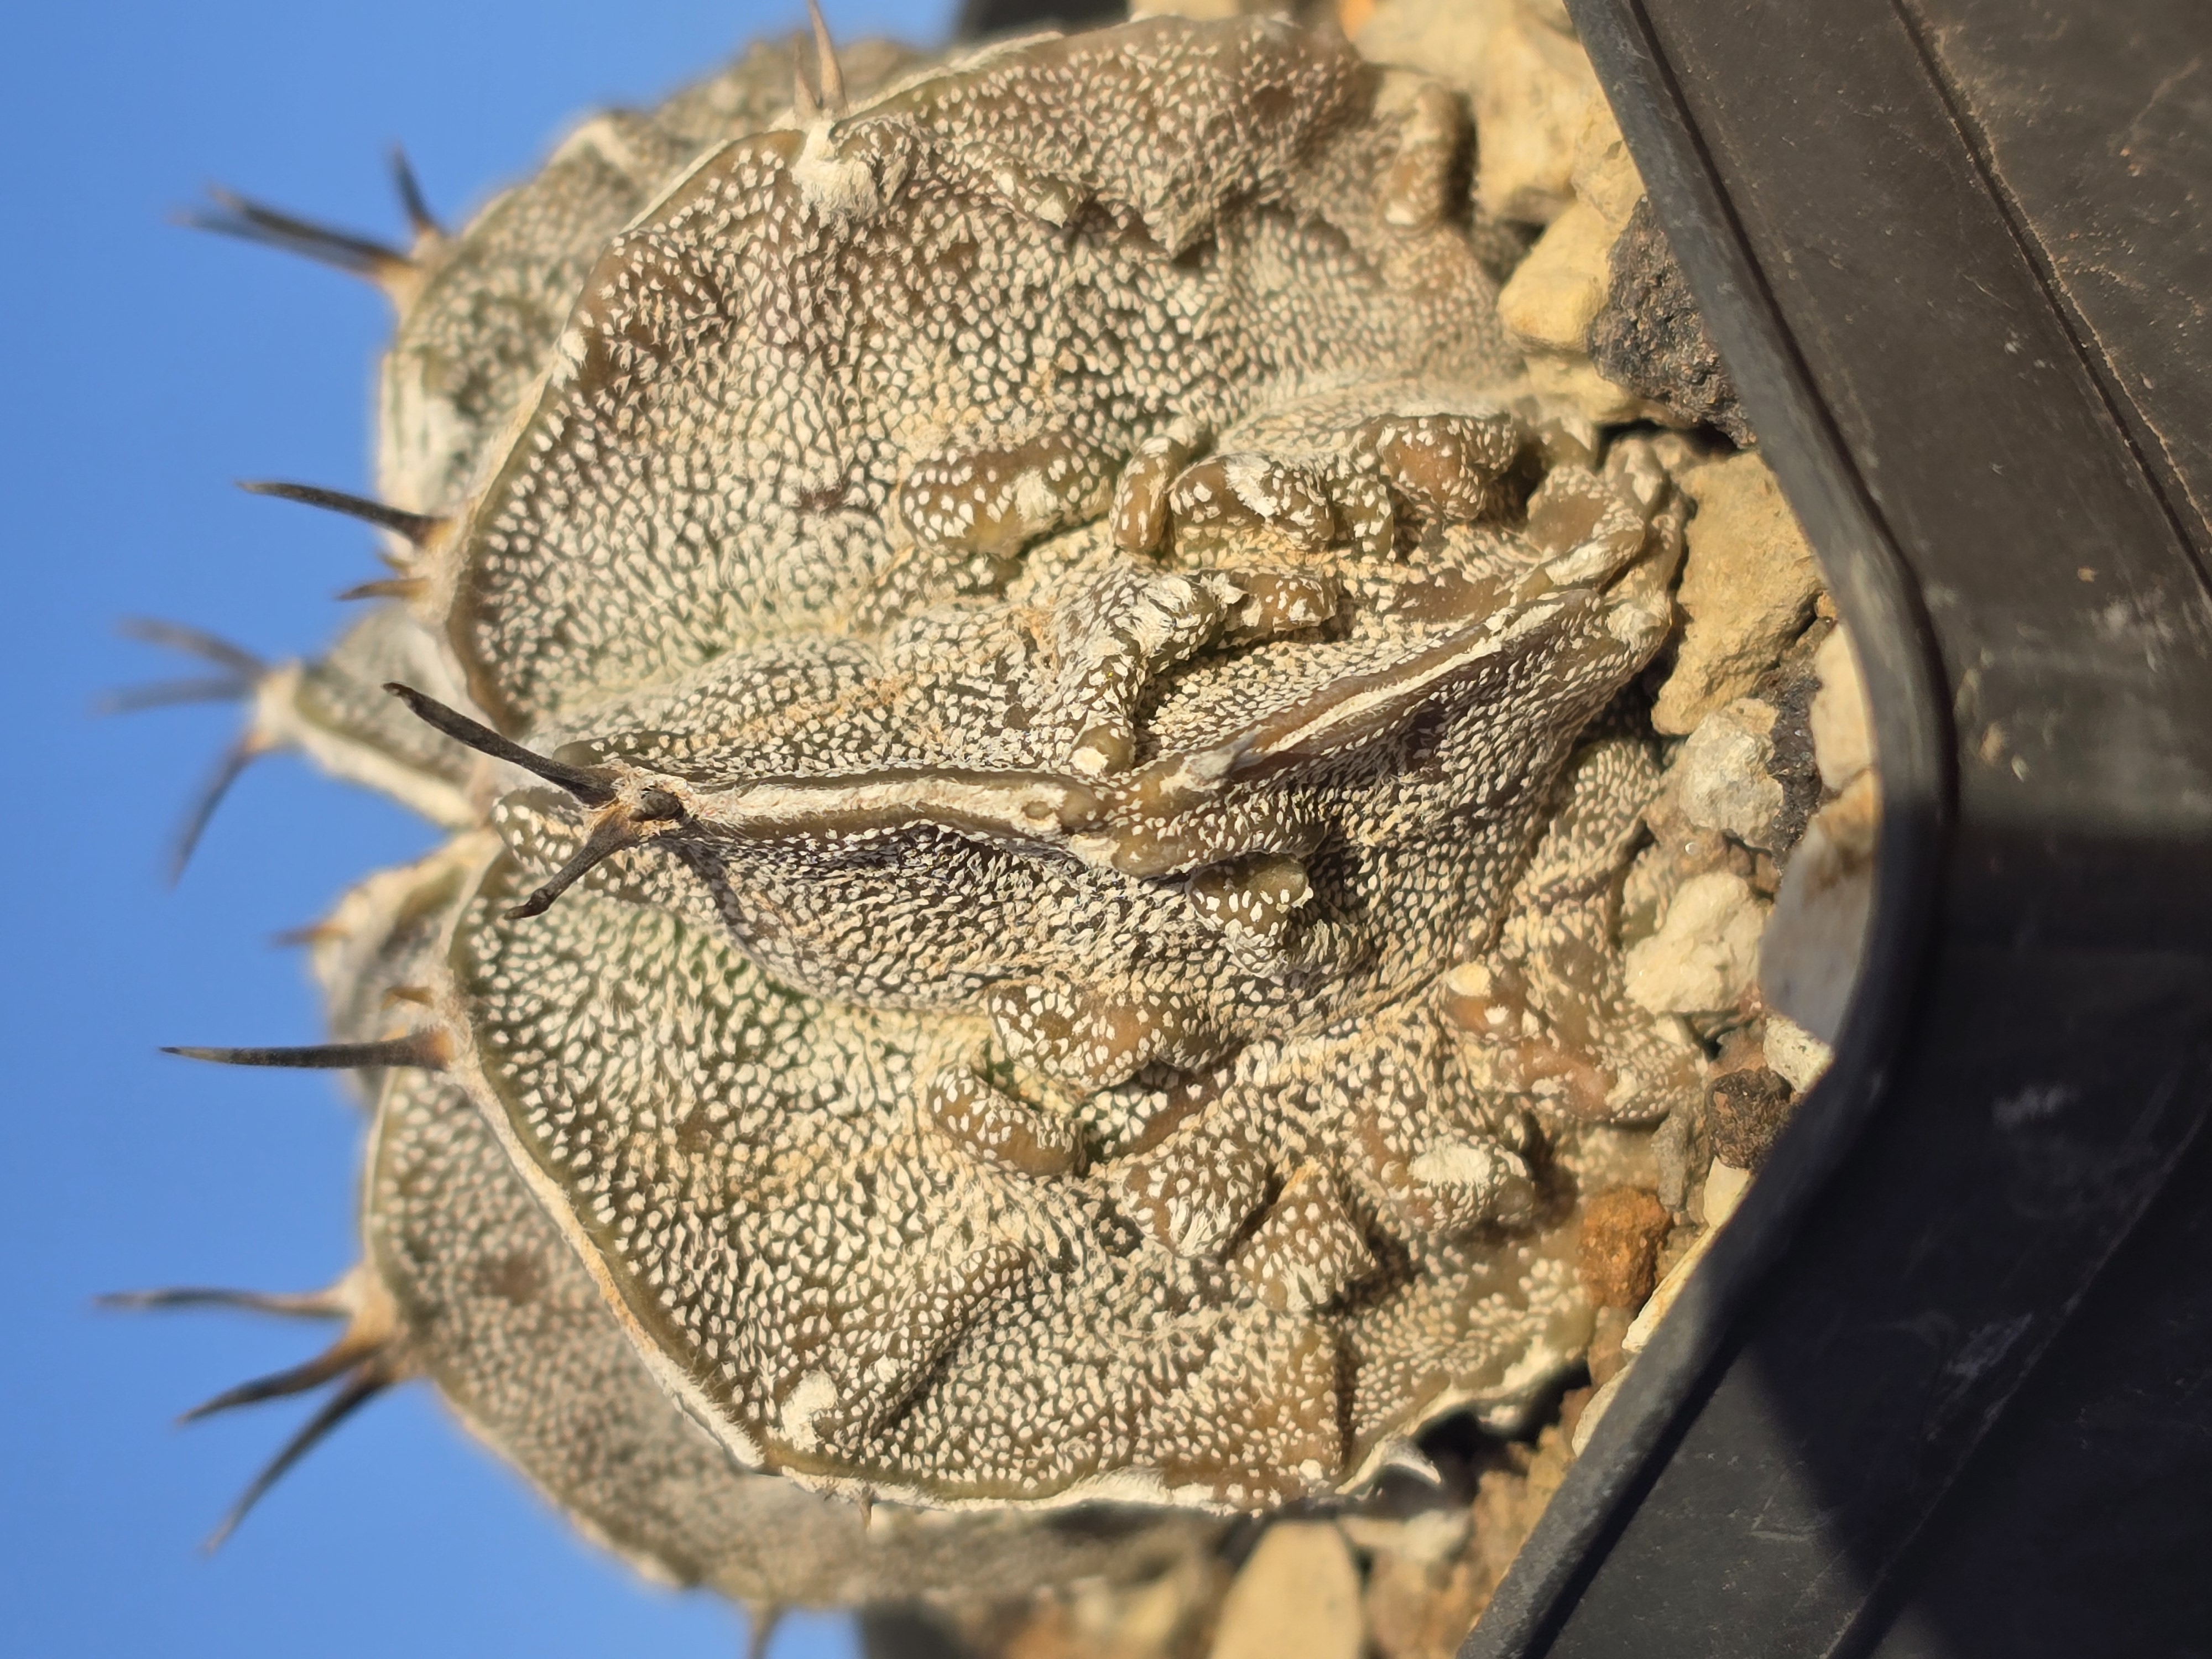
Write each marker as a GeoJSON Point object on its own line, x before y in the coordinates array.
{"type": "Point", "coordinates": [1089, 655]}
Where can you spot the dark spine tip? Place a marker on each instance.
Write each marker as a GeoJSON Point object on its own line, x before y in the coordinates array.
{"type": "Point", "coordinates": [209, 647]}
{"type": "Point", "coordinates": [173, 694]}
{"type": "Point", "coordinates": [313, 1304]}
{"type": "Point", "coordinates": [364, 1385]}
{"type": "Point", "coordinates": [179, 1297]}
{"type": "Point", "coordinates": [420, 1049]}
{"type": "Point", "coordinates": [611, 835]}
{"type": "Point", "coordinates": [423, 223]}
{"type": "Point", "coordinates": [588, 786]}
{"type": "Point", "coordinates": [415, 527]}
{"type": "Point", "coordinates": [228, 767]}
{"type": "Point", "coordinates": [385, 587]}
{"type": "Point", "coordinates": [249, 220]}
{"type": "Point", "coordinates": [342, 1356]}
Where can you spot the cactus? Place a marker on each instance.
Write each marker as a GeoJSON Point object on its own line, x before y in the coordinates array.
{"type": "Point", "coordinates": [1036, 735]}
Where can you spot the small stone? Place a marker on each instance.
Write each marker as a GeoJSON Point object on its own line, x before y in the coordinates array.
{"type": "Point", "coordinates": [1748, 589]}
{"type": "Point", "coordinates": [1547, 306]}
{"type": "Point", "coordinates": [1450, 39]}
{"type": "Point", "coordinates": [1569, 378]}
{"type": "Point", "coordinates": [1796, 1053]}
{"type": "Point", "coordinates": [1554, 297]}
{"type": "Point", "coordinates": [1746, 1109]}
{"type": "Point", "coordinates": [1725, 775]}
{"type": "Point", "coordinates": [1298, 1592]}
{"type": "Point", "coordinates": [1789, 691]}
{"type": "Point", "coordinates": [1680, 1152]}
{"type": "Point", "coordinates": [1739, 1047]}
{"type": "Point", "coordinates": [1679, 850]}
{"type": "Point", "coordinates": [1648, 338]}
{"type": "Point", "coordinates": [1843, 725]}
{"type": "Point", "coordinates": [1809, 959]}
{"type": "Point", "coordinates": [1520, 67]}
{"type": "Point", "coordinates": [1725, 1186]}
{"type": "Point", "coordinates": [1605, 173]}
{"type": "Point", "coordinates": [1618, 1257]}
{"type": "Point", "coordinates": [1396, 1605]}
{"type": "Point", "coordinates": [1606, 1358]}
{"type": "Point", "coordinates": [1530, 102]}
{"type": "Point", "coordinates": [1706, 950]}
{"type": "Point", "coordinates": [1507, 1506]}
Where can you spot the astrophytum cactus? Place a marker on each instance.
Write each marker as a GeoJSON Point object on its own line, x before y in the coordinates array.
{"type": "Point", "coordinates": [1030, 711]}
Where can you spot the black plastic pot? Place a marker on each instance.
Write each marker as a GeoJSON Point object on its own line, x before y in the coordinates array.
{"type": "Point", "coordinates": [1944, 1385]}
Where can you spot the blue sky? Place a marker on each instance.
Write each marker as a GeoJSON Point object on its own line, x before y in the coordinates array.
{"type": "Point", "coordinates": [150, 367]}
